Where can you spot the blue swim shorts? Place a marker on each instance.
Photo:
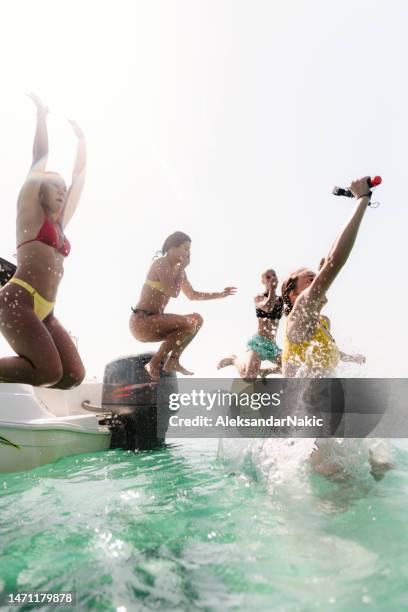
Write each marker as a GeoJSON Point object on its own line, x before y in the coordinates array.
{"type": "Point", "coordinates": [266, 349]}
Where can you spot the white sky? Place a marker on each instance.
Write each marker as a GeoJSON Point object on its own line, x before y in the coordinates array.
{"type": "Point", "coordinates": [229, 120]}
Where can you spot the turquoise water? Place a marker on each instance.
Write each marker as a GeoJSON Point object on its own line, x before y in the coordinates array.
{"type": "Point", "coordinates": [176, 530]}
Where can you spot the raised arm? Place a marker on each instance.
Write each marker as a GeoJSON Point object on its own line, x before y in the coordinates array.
{"type": "Point", "coordinates": [266, 303]}
{"type": "Point", "coordinates": [78, 175]}
{"type": "Point", "coordinates": [189, 292]}
{"type": "Point", "coordinates": [40, 146]}
{"type": "Point", "coordinates": [343, 245]}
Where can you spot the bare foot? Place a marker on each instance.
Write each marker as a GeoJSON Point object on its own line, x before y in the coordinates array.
{"type": "Point", "coordinates": [227, 361]}
{"type": "Point", "coordinates": [264, 372]}
{"type": "Point", "coordinates": [172, 365]}
{"type": "Point", "coordinates": [153, 370]}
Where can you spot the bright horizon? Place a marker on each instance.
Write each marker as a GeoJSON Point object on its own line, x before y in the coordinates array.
{"type": "Point", "coordinates": [231, 121]}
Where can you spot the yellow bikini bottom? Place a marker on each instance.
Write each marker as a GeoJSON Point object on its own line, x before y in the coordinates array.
{"type": "Point", "coordinates": [42, 307]}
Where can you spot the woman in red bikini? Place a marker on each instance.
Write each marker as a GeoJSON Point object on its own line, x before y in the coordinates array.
{"type": "Point", "coordinates": [46, 354]}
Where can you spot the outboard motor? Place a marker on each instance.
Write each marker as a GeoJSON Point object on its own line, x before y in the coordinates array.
{"type": "Point", "coordinates": [7, 271]}
{"type": "Point", "coordinates": [139, 406]}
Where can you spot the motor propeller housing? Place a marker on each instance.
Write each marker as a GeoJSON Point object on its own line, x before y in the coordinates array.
{"type": "Point", "coordinates": [137, 407]}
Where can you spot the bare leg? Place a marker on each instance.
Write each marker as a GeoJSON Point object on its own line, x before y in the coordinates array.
{"type": "Point", "coordinates": [175, 330]}
{"type": "Point", "coordinates": [172, 364]}
{"type": "Point", "coordinates": [379, 464]}
{"type": "Point", "coordinates": [248, 369]}
{"type": "Point", "coordinates": [275, 369]}
{"type": "Point", "coordinates": [172, 341]}
{"type": "Point", "coordinates": [326, 465]}
{"type": "Point", "coordinates": [321, 465]}
{"type": "Point", "coordinates": [38, 362]}
{"type": "Point", "coordinates": [227, 361]}
{"type": "Point", "coordinates": [240, 366]}
{"type": "Point", "coordinates": [252, 366]}
{"type": "Point", "coordinates": [264, 372]}
{"type": "Point", "coordinates": [73, 371]}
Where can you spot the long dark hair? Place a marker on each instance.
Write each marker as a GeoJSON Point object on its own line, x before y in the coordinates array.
{"type": "Point", "coordinates": [174, 240]}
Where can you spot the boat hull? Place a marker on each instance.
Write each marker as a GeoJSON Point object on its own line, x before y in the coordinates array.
{"type": "Point", "coordinates": [24, 448]}
{"type": "Point", "coordinates": [38, 426]}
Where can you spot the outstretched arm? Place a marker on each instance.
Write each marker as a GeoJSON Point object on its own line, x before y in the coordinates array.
{"type": "Point", "coordinates": [189, 292]}
{"type": "Point", "coordinates": [357, 358]}
{"type": "Point", "coordinates": [40, 146]}
{"type": "Point", "coordinates": [343, 245]}
{"type": "Point", "coordinates": [78, 175]}
{"type": "Point", "coordinates": [360, 359]}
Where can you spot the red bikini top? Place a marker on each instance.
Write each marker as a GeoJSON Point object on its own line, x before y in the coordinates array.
{"type": "Point", "coordinates": [50, 235]}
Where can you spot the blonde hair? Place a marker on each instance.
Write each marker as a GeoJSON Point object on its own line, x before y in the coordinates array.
{"type": "Point", "coordinates": [287, 286]}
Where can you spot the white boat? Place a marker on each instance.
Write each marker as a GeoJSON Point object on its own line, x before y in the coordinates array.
{"type": "Point", "coordinates": [40, 425]}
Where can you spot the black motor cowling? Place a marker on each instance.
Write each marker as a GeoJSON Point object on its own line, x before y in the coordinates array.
{"type": "Point", "coordinates": [7, 271]}
{"type": "Point", "coordinates": [139, 405]}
